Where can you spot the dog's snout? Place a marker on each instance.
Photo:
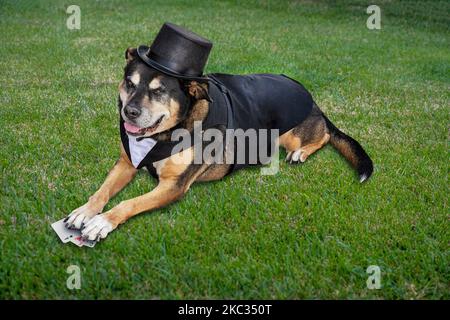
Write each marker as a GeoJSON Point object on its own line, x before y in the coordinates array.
{"type": "Point", "coordinates": [132, 112]}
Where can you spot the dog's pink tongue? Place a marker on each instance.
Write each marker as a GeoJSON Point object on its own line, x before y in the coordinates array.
{"type": "Point", "coordinates": [131, 128]}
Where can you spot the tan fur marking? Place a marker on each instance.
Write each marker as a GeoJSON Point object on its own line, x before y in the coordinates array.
{"type": "Point", "coordinates": [197, 90]}
{"type": "Point", "coordinates": [215, 172]}
{"type": "Point", "coordinates": [346, 151]}
{"type": "Point", "coordinates": [119, 176]}
{"type": "Point", "coordinates": [198, 112]}
{"type": "Point", "coordinates": [135, 78]}
{"type": "Point", "coordinates": [156, 107]}
{"type": "Point", "coordinates": [174, 108]}
{"type": "Point", "coordinates": [175, 165]}
{"type": "Point", "coordinates": [309, 149]}
{"type": "Point", "coordinates": [155, 83]}
{"type": "Point", "coordinates": [290, 141]}
{"type": "Point", "coordinates": [123, 93]}
{"type": "Point", "coordinates": [165, 192]}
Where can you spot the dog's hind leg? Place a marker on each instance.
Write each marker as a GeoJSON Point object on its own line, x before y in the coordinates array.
{"type": "Point", "coordinates": [119, 176]}
{"type": "Point", "coordinates": [306, 138]}
{"type": "Point", "coordinates": [304, 152]}
{"type": "Point", "coordinates": [291, 143]}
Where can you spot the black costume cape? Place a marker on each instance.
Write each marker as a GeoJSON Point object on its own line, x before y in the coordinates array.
{"type": "Point", "coordinates": [258, 101]}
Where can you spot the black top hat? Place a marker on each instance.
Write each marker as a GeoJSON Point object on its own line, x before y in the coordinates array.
{"type": "Point", "coordinates": [177, 52]}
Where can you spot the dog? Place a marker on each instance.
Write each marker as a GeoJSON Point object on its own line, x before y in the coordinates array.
{"type": "Point", "coordinates": [152, 104]}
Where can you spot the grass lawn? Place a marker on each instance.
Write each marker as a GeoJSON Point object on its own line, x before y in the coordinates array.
{"type": "Point", "coordinates": [308, 232]}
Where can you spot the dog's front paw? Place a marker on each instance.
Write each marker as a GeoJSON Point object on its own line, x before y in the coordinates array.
{"type": "Point", "coordinates": [97, 228]}
{"type": "Point", "coordinates": [80, 216]}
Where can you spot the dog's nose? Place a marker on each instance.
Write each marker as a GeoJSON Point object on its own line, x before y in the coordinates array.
{"type": "Point", "coordinates": [132, 112]}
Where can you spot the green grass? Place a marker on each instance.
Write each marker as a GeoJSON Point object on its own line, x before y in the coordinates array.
{"type": "Point", "coordinates": [308, 232]}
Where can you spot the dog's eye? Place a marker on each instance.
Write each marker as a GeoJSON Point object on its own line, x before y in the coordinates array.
{"type": "Point", "coordinates": [157, 91]}
{"type": "Point", "coordinates": [130, 84]}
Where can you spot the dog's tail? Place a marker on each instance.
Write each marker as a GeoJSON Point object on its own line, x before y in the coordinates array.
{"type": "Point", "coordinates": [351, 150]}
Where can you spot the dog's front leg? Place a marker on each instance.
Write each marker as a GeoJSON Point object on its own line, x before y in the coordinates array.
{"type": "Point", "coordinates": [119, 176]}
{"type": "Point", "coordinates": [102, 224]}
{"type": "Point", "coordinates": [174, 182]}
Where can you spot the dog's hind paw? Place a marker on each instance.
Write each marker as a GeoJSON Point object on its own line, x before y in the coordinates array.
{"type": "Point", "coordinates": [97, 228]}
{"type": "Point", "coordinates": [295, 157]}
{"type": "Point", "coordinates": [79, 217]}
{"type": "Point", "coordinates": [289, 156]}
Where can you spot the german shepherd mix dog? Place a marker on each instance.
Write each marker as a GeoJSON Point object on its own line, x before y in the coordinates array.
{"type": "Point", "coordinates": [153, 104]}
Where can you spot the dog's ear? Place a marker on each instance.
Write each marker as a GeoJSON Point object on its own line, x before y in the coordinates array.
{"type": "Point", "coordinates": [130, 54]}
{"type": "Point", "coordinates": [198, 90]}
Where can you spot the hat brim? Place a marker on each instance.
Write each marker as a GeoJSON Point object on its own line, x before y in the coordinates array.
{"type": "Point", "coordinates": [142, 52]}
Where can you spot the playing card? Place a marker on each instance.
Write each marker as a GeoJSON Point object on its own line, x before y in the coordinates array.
{"type": "Point", "coordinates": [80, 242]}
{"type": "Point", "coordinates": [63, 233]}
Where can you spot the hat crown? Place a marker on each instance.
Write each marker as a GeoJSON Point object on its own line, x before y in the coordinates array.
{"type": "Point", "coordinates": [178, 51]}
